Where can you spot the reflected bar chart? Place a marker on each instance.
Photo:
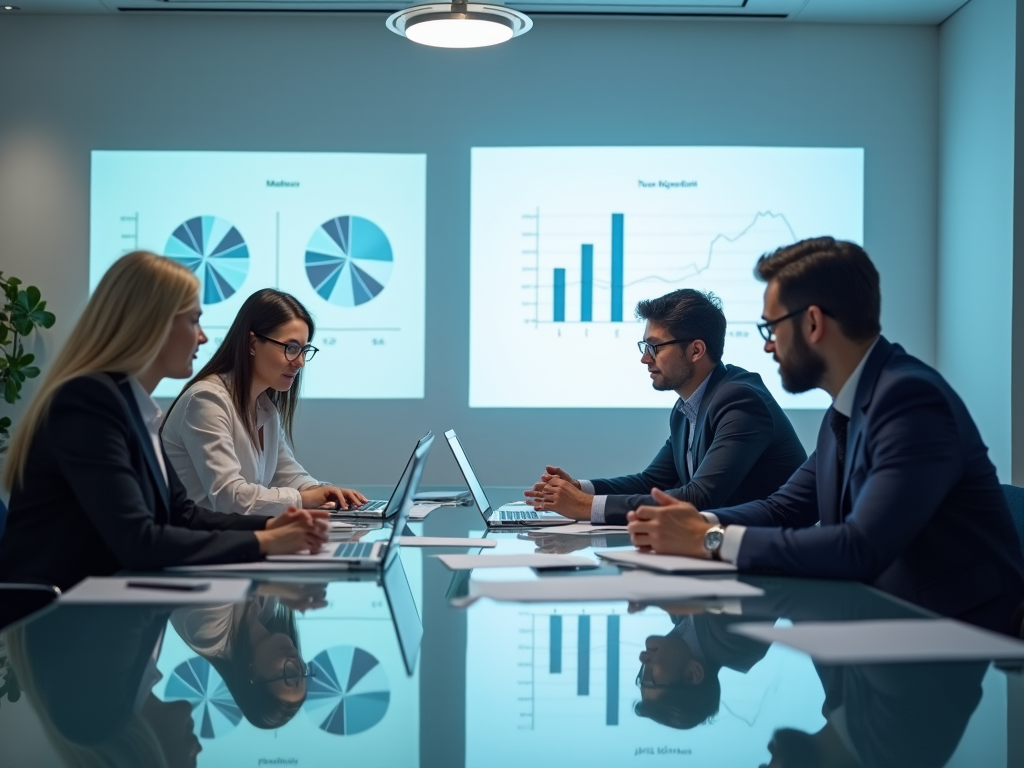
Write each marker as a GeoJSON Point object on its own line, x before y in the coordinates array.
{"type": "Point", "coordinates": [583, 648]}
{"type": "Point", "coordinates": [555, 666]}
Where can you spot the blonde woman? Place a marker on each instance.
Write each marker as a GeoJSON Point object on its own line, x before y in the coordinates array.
{"type": "Point", "coordinates": [92, 492]}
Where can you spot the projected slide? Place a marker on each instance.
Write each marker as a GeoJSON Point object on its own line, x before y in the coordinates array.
{"type": "Point", "coordinates": [344, 233]}
{"type": "Point", "coordinates": [539, 675]}
{"type": "Point", "coordinates": [566, 241]}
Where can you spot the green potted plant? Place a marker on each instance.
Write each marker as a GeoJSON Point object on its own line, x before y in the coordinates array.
{"type": "Point", "coordinates": [23, 311]}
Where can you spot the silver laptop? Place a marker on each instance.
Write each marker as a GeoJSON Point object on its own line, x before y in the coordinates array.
{"type": "Point", "coordinates": [513, 515]}
{"type": "Point", "coordinates": [379, 509]}
{"type": "Point", "coordinates": [374, 555]}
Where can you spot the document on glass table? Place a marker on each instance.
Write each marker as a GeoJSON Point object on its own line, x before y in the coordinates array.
{"type": "Point", "coordinates": [649, 561]}
{"type": "Point", "coordinates": [156, 591]}
{"type": "Point", "coordinates": [888, 641]}
{"type": "Point", "coordinates": [539, 561]}
{"type": "Point", "coordinates": [581, 529]}
{"type": "Point", "coordinates": [635, 587]}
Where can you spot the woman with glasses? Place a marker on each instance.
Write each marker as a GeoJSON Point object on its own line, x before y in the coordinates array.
{"type": "Point", "coordinates": [226, 433]}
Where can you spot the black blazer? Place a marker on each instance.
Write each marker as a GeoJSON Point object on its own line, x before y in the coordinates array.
{"type": "Point", "coordinates": [93, 501]}
{"type": "Point", "coordinates": [918, 511]}
{"type": "Point", "coordinates": [744, 448]}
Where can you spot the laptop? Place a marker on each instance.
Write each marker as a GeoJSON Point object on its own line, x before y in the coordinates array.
{"type": "Point", "coordinates": [373, 555]}
{"type": "Point", "coordinates": [406, 618]}
{"type": "Point", "coordinates": [512, 515]}
{"type": "Point", "coordinates": [378, 509]}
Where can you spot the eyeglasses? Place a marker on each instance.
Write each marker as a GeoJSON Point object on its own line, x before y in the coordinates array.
{"type": "Point", "coordinates": [652, 349]}
{"type": "Point", "coordinates": [767, 328]}
{"type": "Point", "coordinates": [644, 680]}
{"type": "Point", "coordinates": [291, 351]}
{"type": "Point", "coordinates": [292, 671]}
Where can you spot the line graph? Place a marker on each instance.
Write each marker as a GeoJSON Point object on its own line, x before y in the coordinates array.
{"type": "Point", "coordinates": [566, 241]}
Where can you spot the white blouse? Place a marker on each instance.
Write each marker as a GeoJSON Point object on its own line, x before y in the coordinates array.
{"type": "Point", "coordinates": [210, 449]}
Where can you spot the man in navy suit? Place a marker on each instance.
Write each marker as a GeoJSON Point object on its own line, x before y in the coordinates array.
{"type": "Point", "coordinates": [901, 483]}
{"type": "Point", "coordinates": [729, 441]}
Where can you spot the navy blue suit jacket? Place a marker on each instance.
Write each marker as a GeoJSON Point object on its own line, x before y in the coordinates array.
{"type": "Point", "coordinates": [927, 520]}
{"type": "Point", "coordinates": [744, 448]}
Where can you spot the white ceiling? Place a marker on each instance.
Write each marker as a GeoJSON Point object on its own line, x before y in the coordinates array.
{"type": "Point", "coordinates": [822, 11]}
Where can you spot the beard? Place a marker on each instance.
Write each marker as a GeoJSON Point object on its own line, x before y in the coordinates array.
{"type": "Point", "coordinates": [803, 368]}
{"type": "Point", "coordinates": [675, 379]}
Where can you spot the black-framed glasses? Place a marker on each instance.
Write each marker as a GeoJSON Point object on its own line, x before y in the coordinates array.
{"type": "Point", "coordinates": [646, 680]}
{"type": "Point", "coordinates": [291, 350]}
{"type": "Point", "coordinates": [292, 671]}
{"type": "Point", "coordinates": [652, 349]}
{"type": "Point", "coordinates": [767, 328]}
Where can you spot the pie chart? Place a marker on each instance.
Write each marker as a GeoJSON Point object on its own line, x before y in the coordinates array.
{"type": "Point", "coordinates": [348, 692]}
{"type": "Point", "coordinates": [215, 251]}
{"type": "Point", "coordinates": [213, 708]}
{"type": "Point", "coordinates": [348, 260]}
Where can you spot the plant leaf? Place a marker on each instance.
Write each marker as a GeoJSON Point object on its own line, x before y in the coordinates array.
{"type": "Point", "coordinates": [11, 391]}
{"type": "Point", "coordinates": [31, 372]}
{"type": "Point", "coordinates": [26, 359]}
{"type": "Point", "coordinates": [33, 295]}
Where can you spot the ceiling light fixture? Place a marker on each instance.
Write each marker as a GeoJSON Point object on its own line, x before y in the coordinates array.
{"type": "Point", "coordinates": [459, 25]}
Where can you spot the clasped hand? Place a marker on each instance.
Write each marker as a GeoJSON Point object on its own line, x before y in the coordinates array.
{"type": "Point", "coordinates": [558, 492]}
{"type": "Point", "coordinates": [294, 531]}
{"type": "Point", "coordinates": [671, 528]}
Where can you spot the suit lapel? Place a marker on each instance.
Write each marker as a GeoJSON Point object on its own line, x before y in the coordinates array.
{"type": "Point", "coordinates": [146, 442]}
{"type": "Point", "coordinates": [715, 379]}
{"type": "Point", "coordinates": [827, 470]}
{"type": "Point", "coordinates": [862, 399]}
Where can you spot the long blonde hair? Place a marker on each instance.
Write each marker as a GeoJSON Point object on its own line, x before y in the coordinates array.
{"type": "Point", "coordinates": [124, 326]}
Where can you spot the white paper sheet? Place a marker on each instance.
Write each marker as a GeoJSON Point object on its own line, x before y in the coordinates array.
{"type": "Point", "coordinates": [420, 511]}
{"type": "Point", "coordinates": [116, 591]}
{"type": "Point", "coordinates": [438, 541]}
{"type": "Point", "coordinates": [636, 587]}
{"type": "Point", "coordinates": [581, 529]}
{"type": "Point", "coordinates": [468, 562]}
{"type": "Point", "coordinates": [888, 641]}
{"type": "Point", "coordinates": [664, 563]}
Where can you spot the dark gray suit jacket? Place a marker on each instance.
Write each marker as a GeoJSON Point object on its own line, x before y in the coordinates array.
{"type": "Point", "coordinates": [94, 501]}
{"type": "Point", "coordinates": [744, 449]}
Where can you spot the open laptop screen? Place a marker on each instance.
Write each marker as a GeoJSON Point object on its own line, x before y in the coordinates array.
{"type": "Point", "coordinates": [400, 599]}
{"type": "Point", "coordinates": [467, 472]}
{"type": "Point", "coordinates": [404, 493]}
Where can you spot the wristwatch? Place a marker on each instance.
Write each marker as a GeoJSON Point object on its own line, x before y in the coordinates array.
{"type": "Point", "coordinates": [713, 539]}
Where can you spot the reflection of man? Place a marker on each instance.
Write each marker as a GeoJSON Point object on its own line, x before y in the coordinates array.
{"type": "Point", "coordinates": [678, 675]}
{"type": "Point", "coordinates": [729, 440]}
{"type": "Point", "coordinates": [901, 483]}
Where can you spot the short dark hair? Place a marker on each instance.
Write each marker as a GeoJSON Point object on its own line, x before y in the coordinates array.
{"type": "Point", "coordinates": [834, 275]}
{"type": "Point", "coordinates": [689, 314]}
{"type": "Point", "coordinates": [684, 706]}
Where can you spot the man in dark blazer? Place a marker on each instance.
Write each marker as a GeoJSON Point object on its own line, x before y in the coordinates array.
{"type": "Point", "coordinates": [901, 483]}
{"type": "Point", "coordinates": [729, 440]}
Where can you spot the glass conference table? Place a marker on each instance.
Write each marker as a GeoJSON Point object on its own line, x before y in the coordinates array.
{"type": "Point", "coordinates": [387, 670]}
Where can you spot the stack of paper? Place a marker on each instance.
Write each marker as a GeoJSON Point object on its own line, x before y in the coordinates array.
{"type": "Point", "coordinates": [664, 563]}
{"type": "Point", "coordinates": [539, 561]}
{"type": "Point", "coordinates": [142, 590]}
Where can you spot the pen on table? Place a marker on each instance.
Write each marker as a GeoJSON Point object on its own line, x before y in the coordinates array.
{"type": "Point", "coordinates": [185, 586]}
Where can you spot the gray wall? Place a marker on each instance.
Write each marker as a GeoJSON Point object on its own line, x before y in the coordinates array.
{"type": "Point", "coordinates": [976, 147]}
{"type": "Point", "coordinates": [73, 84]}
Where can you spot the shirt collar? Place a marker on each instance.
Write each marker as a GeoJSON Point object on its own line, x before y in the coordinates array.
{"type": "Point", "coordinates": [691, 406]}
{"type": "Point", "coordinates": [844, 400]}
{"type": "Point", "coordinates": [148, 408]}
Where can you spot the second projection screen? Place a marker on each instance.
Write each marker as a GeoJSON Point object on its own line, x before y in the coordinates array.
{"type": "Point", "coordinates": [566, 240]}
{"type": "Point", "coordinates": [342, 232]}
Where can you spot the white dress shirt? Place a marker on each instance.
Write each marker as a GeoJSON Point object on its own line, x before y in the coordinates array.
{"type": "Point", "coordinates": [843, 403]}
{"type": "Point", "coordinates": [151, 416]}
{"type": "Point", "coordinates": [209, 446]}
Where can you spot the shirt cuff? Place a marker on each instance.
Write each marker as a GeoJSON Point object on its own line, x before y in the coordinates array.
{"type": "Point", "coordinates": [587, 487]}
{"type": "Point", "coordinates": [597, 510]}
{"type": "Point", "coordinates": [711, 517]}
{"type": "Point", "coordinates": [731, 543]}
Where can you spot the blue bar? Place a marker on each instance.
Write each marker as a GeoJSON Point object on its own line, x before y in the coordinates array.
{"type": "Point", "coordinates": [617, 225]}
{"type": "Point", "coordinates": [587, 283]}
{"type": "Point", "coordinates": [555, 664]}
{"type": "Point", "coordinates": [559, 295]}
{"type": "Point", "coordinates": [583, 657]}
{"type": "Point", "coordinates": [612, 689]}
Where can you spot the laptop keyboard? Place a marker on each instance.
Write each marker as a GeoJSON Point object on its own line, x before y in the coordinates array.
{"type": "Point", "coordinates": [508, 514]}
{"type": "Point", "coordinates": [370, 506]}
{"type": "Point", "coordinates": [354, 549]}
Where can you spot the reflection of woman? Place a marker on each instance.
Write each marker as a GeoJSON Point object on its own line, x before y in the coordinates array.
{"type": "Point", "coordinates": [94, 695]}
{"type": "Point", "coordinates": [91, 490]}
{"type": "Point", "coordinates": [225, 434]}
{"type": "Point", "coordinates": [254, 646]}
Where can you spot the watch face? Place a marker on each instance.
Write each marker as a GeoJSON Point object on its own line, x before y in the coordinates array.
{"type": "Point", "coordinates": [713, 540]}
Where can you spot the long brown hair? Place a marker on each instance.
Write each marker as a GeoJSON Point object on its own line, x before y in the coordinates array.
{"type": "Point", "coordinates": [262, 314]}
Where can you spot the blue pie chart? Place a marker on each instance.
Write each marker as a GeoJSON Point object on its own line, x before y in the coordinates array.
{"type": "Point", "coordinates": [213, 708]}
{"type": "Point", "coordinates": [214, 250]}
{"type": "Point", "coordinates": [348, 260]}
{"type": "Point", "coordinates": [348, 692]}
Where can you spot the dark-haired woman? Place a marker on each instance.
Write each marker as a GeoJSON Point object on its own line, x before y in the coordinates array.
{"type": "Point", "coordinates": [226, 433]}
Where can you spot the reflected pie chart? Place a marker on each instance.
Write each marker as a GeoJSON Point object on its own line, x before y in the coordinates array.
{"type": "Point", "coordinates": [348, 692]}
{"type": "Point", "coordinates": [213, 708]}
{"type": "Point", "coordinates": [348, 260]}
{"type": "Point", "coordinates": [214, 250]}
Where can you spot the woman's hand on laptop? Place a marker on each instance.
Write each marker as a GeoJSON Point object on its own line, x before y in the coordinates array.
{"type": "Point", "coordinates": [294, 531]}
{"type": "Point", "coordinates": [319, 495]}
